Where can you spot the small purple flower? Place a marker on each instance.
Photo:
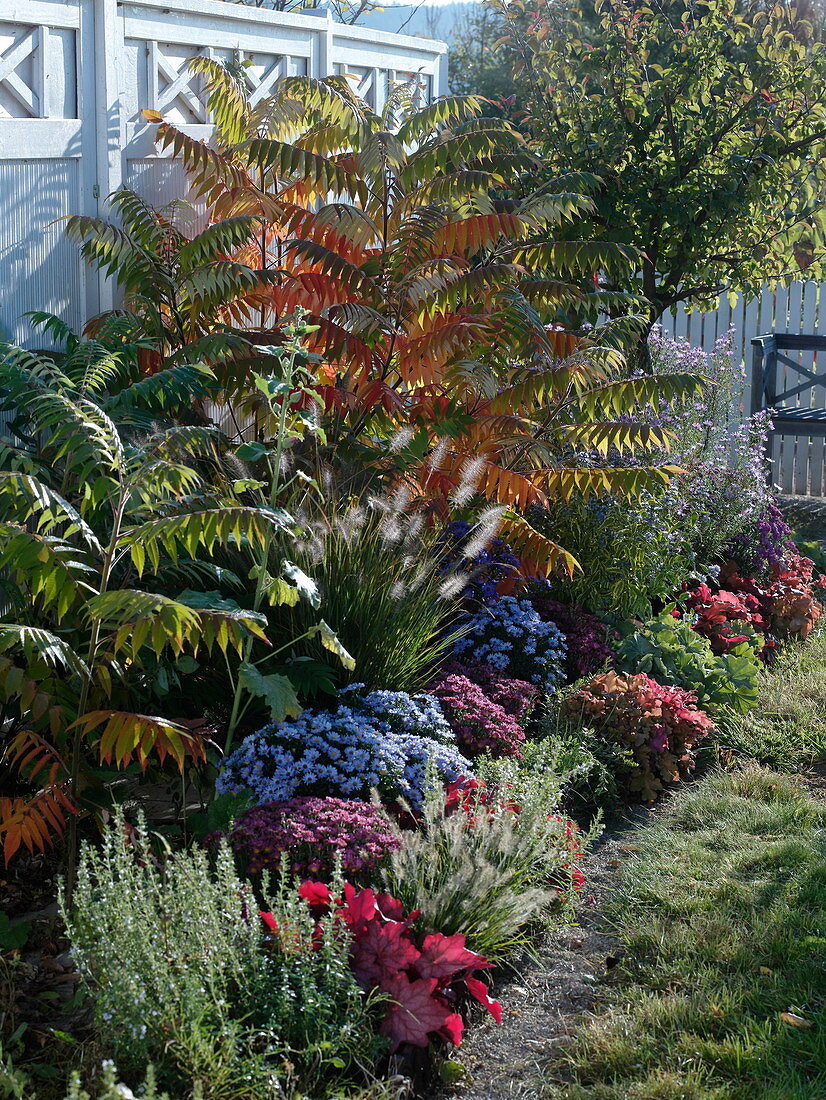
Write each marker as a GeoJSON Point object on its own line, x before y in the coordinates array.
{"type": "Point", "coordinates": [311, 833]}
{"type": "Point", "coordinates": [484, 567]}
{"type": "Point", "coordinates": [588, 639]}
{"type": "Point", "coordinates": [480, 722]}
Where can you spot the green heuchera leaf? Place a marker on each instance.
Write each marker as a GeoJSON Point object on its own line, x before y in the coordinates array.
{"type": "Point", "coordinates": [219, 814]}
{"type": "Point", "coordinates": [276, 690]}
{"type": "Point", "coordinates": [668, 650]}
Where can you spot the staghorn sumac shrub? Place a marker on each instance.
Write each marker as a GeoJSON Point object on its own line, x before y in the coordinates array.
{"type": "Point", "coordinates": [311, 833]}
{"type": "Point", "coordinates": [660, 725]}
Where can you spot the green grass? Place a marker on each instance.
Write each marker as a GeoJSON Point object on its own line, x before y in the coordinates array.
{"type": "Point", "coordinates": [787, 729]}
{"type": "Point", "coordinates": [722, 912]}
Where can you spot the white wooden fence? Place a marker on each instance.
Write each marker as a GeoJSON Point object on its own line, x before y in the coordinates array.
{"type": "Point", "coordinates": [74, 77]}
{"type": "Point", "coordinates": [798, 462]}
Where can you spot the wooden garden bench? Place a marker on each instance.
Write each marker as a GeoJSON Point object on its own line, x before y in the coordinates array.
{"type": "Point", "coordinates": [780, 382]}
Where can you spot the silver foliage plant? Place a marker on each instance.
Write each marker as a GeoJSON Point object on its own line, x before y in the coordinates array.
{"type": "Point", "coordinates": [184, 976]}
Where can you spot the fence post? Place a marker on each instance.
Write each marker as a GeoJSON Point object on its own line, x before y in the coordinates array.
{"type": "Point", "coordinates": [109, 122]}
{"type": "Point", "coordinates": [321, 62]}
{"type": "Point", "coordinates": [442, 74]}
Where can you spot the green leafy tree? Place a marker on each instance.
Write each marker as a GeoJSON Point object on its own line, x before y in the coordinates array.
{"type": "Point", "coordinates": [480, 62]}
{"type": "Point", "coordinates": [706, 125]}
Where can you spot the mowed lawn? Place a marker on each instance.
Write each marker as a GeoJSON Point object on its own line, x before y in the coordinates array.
{"type": "Point", "coordinates": [721, 991]}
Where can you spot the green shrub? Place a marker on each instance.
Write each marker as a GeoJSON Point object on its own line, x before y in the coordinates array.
{"type": "Point", "coordinates": [484, 870]}
{"type": "Point", "coordinates": [112, 1089]}
{"type": "Point", "coordinates": [183, 976]}
{"type": "Point", "coordinates": [630, 551]}
{"type": "Point", "coordinates": [669, 650]}
{"type": "Point", "coordinates": [14, 1083]}
{"type": "Point", "coordinates": [578, 768]}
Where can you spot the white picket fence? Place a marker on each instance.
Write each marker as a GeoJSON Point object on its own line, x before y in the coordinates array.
{"type": "Point", "coordinates": [74, 78]}
{"type": "Point", "coordinates": [798, 462]}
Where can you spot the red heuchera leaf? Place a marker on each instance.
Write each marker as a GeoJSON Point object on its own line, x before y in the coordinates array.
{"type": "Point", "coordinates": [446, 956]}
{"type": "Point", "coordinates": [454, 1026]}
{"type": "Point", "coordinates": [477, 989]}
{"type": "Point", "coordinates": [316, 894]}
{"type": "Point", "coordinates": [380, 951]}
{"type": "Point", "coordinates": [359, 906]}
{"type": "Point", "coordinates": [386, 954]}
{"type": "Point", "coordinates": [269, 920]}
{"type": "Point", "coordinates": [416, 1012]}
{"type": "Point", "coordinates": [392, 909]}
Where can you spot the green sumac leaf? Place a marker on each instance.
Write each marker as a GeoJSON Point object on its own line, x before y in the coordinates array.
{"type": "Point", "coordinates": [276, 690]}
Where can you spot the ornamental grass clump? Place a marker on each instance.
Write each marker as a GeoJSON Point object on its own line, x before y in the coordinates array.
{"type": "Point", "coordinates": [347, 752]}
{"type": "Point", "coordinates": [660, 725]}
{"type": "Point", "coordinates": [174, 956]}
{"type": "Point", "coordinates": [510, 636]}
{"type": "Point", "coordinates": [382, 591]}
{"type": "Point", "coordinates": [467, 551]}
{"type": "Point", "coordinates": [489, 872]}
{"type": "Point", "coordinates": [313, 834]}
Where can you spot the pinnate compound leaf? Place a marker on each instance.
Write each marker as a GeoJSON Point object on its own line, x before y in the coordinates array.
{"type": "Point", "coordinates": [33, 823]}
{"type": "Point", "coordinates": [126, 736]}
